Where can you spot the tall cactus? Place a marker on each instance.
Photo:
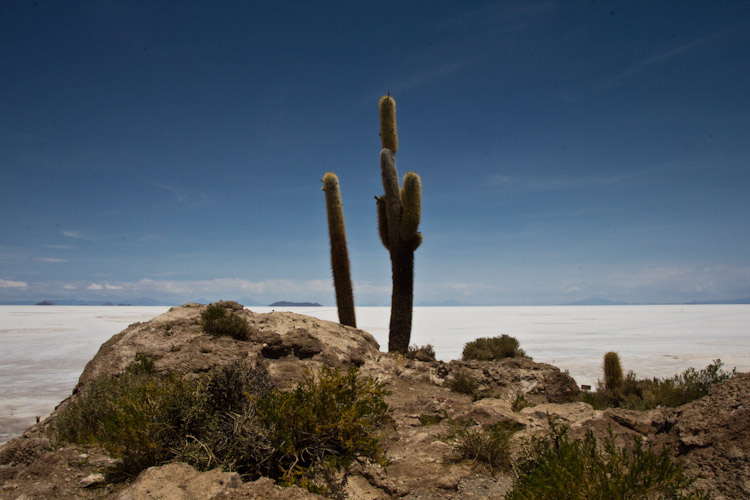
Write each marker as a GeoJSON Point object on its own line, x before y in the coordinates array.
{"type": "Point", "coordinates": [612, 371]}
{"type": "Point", "coordinates": [342, 280]}
{"type": "Point", "coordinates": [399, 213]}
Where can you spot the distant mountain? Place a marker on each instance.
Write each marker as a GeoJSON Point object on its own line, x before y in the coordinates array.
{"type": "Point", "coordinates": [598, 301]}
{"type": "Point", "coordinates": [45, 303]}
{"type": "Point", "coordinates": [714, 302]}
{"type": "Point", "coordinates": [445, 303]}
{"type": "Point", "coordinates": [595, 301]}
{"type": "Point", "coordinates": [294, 304]}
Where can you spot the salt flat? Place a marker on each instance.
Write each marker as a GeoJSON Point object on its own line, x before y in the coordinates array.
{"type": "Point", "coordinates": [43, 349]}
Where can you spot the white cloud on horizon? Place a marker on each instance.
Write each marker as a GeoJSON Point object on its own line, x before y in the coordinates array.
{"type": "Point", "coordinates": [103, 286]}
{"type": "Point", "coordinates": [49, 259]}
{"type": "Point", "coordinates": [13, 284]}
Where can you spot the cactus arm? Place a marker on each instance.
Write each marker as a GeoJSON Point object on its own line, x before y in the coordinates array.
{"type": "Point", "coordinates": [342, 281]}
{"type": "Point", "coordinates": [388, 134]}
{"type": "Point", "coordinates": [411, 201]}
{"type": "Point", "coordinates": [392, 194]}
{"type": "Point", "coordinates": [414, 243]}
{"type": "Point", "coordinates": [382, 221]}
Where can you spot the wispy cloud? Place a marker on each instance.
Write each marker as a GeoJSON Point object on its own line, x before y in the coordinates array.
{"type": "Point", "coordinates": [59, 247]}
{"type": "Point", "coordinates": [554, 183]}
{"type": "Point", "coordinates": [432, 74]}
{"type": "Point", "coordinates": [651, 61]}
{"type": "Point", "coordinates": [187, 196]}
{"type": "Point", "coordinates": [49, 259]}
{"type": "Point", "coordinates": [13, 284]}
{"type": "Point", "coordinates": [76, 235]}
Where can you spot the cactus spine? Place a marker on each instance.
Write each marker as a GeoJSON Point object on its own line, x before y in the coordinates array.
{"type": "Point", "coordinates": [612, 371]}
{"type": "Point", "coordinates": [342, 280]}
{"type": "Point", "coordinates": [399, 213]}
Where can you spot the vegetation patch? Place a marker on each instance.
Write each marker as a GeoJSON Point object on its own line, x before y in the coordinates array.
{"type": "Point", "coordinates": [422, 353]}
{"type": "Point", "coordinates": [493, 348]}
{"type": "Point", "coordinates": [217, 321]}
{"type": "Point", "coordinates": [325, 422]}
{"type": "Point", "coordinates": [556, 468]}
{"type": "Point", "coordinates": [488, 446]}
{"type": "Point", "coordinates": [431, 418]}
{"type": "Point", "coordinates": [521, 402]}
{"type": "Point", "coordinates": [645, 394]}
{"type": "Point", "coordinates": [463, 383]}
{"type": "Point", "coordinates": [231, 418]}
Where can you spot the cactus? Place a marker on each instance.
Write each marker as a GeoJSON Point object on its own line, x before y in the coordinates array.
{"type": "Point", "coordinates": [342, 280]}
{"type": "Point", "coordinates": [612, 371]}
{"type": "Point", "coordinates": [399, 213]}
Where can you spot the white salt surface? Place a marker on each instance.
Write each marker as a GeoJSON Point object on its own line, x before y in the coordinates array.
{"type": "Point", "coordinates": [43, 349]}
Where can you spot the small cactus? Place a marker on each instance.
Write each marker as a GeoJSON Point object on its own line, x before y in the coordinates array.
{"type": "Point", "coordinates": [342, 281]}
{"type": "Point", "coordinates": [399, 214]}
{"type": "Point", "coordinates": [612, 371]}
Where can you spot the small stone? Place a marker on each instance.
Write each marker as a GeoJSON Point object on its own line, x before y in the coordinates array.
{"type": "Point", "coordinates": [91, 480]}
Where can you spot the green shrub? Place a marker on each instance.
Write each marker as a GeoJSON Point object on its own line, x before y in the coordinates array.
{"type": "Point", "coordinates": [487, 446]}
{"type": "Point", "coordinates": [464, 383]}
{"type": "Point", "coordinates": [422, 353]}
{"type": "Point", "coordinates": [217, 321]}
{"type": "Point", "coordinates": [645, 394]}
{"type": "Point", "coordinates": [231, 418]}
{"type": "Point", "coordinates": [557, 468]}
{"type": "Point", "coordinates": [138, 416]}
{"type": "Point", "coordinates": [521, 402]}
{"type": "Point", "coordinates": [489, 349]}
{"type": "Point", "coordinates": [325, 422]}
{"type": "Point", "coordinates": [431, 418]}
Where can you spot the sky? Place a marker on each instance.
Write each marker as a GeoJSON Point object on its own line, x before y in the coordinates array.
{"type": "Point", "coordinates": [567, 149]}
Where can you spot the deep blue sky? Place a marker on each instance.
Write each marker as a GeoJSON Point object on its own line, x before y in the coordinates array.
{"type": "Point", "coordinates": [567, 149]}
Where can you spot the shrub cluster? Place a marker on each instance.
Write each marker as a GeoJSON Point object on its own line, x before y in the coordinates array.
{"type": "Point", "coordinates": [324, 422]}
{"type": "Point", "coordinates": [488, 446]}
{"type": "Point", "coordinates": [494, 348]}
{"type": "Point", "coordinates": [422, 353]}
{"type": "Point", "coordinates": [644, 394]}
{"type": "Point", "coordinates": [463, 383]}
{"type": "Point", "coordinates": [232, 418]}
{"type": "Point", "coordinates": [557, 468]}
{"type": "Point", "coordinates": [217, 321]}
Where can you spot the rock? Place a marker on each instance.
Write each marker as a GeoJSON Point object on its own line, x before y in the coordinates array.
{"type": "Point", "coordinates": [286, 344]}
{"type": "Point", "coordinates": [24, 450]}
{"type": "Point", "coordinates": [266, 489]}
{"type": "Point", "coordinates": [180, 481]}
{"type": "Point", "coordinates": [712, 437]}
{"type": "Point", "coordinates": [506, 378]}
{"type": "Point", "coordinates": [92, 480]}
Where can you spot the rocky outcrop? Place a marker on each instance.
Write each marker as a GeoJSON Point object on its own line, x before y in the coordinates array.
{"type": "Point", "coordinates": [710, 436]}
{"type": "Point", "coordinates": [284, 343]}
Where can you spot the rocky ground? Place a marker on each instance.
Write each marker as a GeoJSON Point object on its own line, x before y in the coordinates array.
{"type": "Point", "coordinates": [710, 436]}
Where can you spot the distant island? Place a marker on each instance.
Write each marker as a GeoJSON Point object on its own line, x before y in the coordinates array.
{"type": "Point", "coordinates": [284, 303]}
{"type": "Point", "coordinates": [45, 303]}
